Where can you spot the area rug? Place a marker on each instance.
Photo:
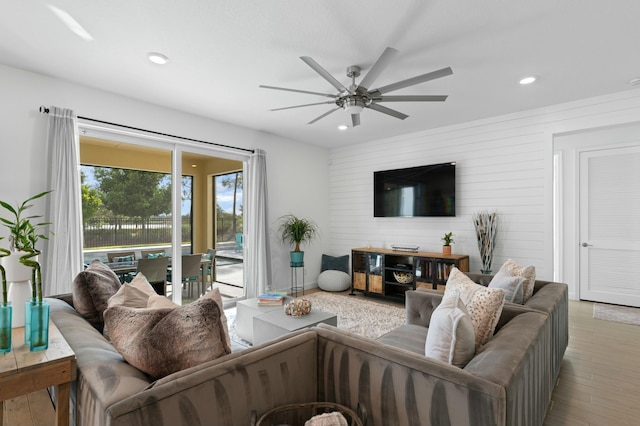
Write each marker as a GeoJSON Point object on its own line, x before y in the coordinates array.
{"type": "Point", "coordinates": [623, 314]}
{"type": "Point", "coordinates": [356, 314]}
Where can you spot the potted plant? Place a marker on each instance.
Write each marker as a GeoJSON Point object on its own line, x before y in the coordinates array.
{"type": "Point", "coordinates": [21, 264]}
{"type": "Point", "coordinates": [295, 230]}
{"type": "Point", "coordinates": [448, 240]}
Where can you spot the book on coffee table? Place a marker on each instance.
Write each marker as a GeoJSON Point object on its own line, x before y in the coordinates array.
{"type": "Point", "coordinates": [271, 299]}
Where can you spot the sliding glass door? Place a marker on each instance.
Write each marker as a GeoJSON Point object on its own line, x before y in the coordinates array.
{"type": "Point", "coordinates": [152, 196]}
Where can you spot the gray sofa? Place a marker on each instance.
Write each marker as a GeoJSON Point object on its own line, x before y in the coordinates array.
{"type": "Point", "coordinates": [552, 298]}
{"type": "Point", "coordinates": [517, 359]}
{"type": "Point", "coordinates": [504, 384]}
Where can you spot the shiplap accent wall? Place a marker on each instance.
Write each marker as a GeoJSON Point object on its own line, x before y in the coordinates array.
{"type": "Point", "coordinates": [503, 163]}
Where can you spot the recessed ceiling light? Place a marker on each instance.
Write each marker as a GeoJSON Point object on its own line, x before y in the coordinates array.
{"type": "Point", "coordinates": [71, 23]}
{"type": "Point", "coordinates": [527, 80]}
{"type": "Point", "coordinates": [158, 58]}
{"type": "Point", "coordinates": [343, 127]}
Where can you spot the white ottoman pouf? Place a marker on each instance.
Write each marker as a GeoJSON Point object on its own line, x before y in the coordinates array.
{"type": "Point", "coordinates": [331, 280]}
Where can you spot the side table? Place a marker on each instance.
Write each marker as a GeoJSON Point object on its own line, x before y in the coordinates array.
{"type": "Point", "coordinates": [23, 371]}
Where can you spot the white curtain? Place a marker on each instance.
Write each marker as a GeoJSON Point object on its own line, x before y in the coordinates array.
{"type": "Point", "coordinates": [63, 251]}
{"type": "Point", "coordinates": [257, 259]}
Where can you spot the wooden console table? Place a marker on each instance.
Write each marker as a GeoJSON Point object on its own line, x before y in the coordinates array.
{"type": "Point", "coordinates": [23, 371]}
{"type": "Point", "coordinates": [390, 273]}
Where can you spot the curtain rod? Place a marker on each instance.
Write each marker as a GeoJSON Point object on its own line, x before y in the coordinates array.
{"type": "Point", "coordinates": [45, 110]}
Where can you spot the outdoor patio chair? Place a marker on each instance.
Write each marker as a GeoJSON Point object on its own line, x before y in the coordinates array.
{"type": "Point", "coordinates": [145, 254]}
{"type": "Point", "coordinates": [155, 271]}
{"type": "Point", "coordinates": [238, 242]}
{"type": "Point", "coordinates": [210, 269]}
{"type": "Point", "coordinates": [191, 272]}
{"type": "Point", "coordinates": [122, 256]}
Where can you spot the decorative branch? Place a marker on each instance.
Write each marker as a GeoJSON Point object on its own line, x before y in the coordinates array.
{"type": "Point", "coordinates": [486, 225]}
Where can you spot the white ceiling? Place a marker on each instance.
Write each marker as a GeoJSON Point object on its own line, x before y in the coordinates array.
{"type": "Point", "coordinates": [221, 50]}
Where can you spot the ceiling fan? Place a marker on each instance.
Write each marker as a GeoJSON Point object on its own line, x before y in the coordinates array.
{"type": "Point", "coordinates": [358, 96]}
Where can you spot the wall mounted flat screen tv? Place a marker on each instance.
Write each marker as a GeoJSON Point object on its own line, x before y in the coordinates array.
{"type": "Point", "coordinates": [415, 191]}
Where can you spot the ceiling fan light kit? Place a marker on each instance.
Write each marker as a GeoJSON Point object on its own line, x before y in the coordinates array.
{"type": "Point", "coordinates": [358, 97]}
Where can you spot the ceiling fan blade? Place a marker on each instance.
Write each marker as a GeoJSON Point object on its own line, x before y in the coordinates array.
{"type": "Point", "coordinates": [355, 119]}
{"type": "Point", "coordinates": [412, 98]}
{"type": "Point", "coordinates": [324, 73]}
{"type": "Point", "coordinates": [305, 105]}
{"type": "Point", "coordinates": [323, 115]}
{"type": "Point", "coordinates": [297, 91]}
{"type": "Point", "coordinates": [388, 111]}
{"type": "Point", "coordinates": [383, 62]}
{"type": "Point", "coordinates": [415, 80]}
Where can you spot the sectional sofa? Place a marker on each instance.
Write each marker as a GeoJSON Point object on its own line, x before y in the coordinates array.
{"type": "Point", "coordinates": [508, 382]}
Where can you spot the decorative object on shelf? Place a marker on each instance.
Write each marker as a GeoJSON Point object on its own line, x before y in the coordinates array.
{"type": "Point", "coordinates": [448, 240]}
{"type": "Point", "coordinates": [297, 307]}
{"type": "Point", "coordinates": [412, 249]}
{"type": "Point", "coordinates": [486, 225]}
{"type": "Point", "coordinates": [295, 230]}
{"type": "Point", "coordinates": [23, 236]}
{"type": "Point", "coordinates": [403, 277]}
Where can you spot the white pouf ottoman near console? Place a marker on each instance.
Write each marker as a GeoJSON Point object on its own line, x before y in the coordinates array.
{"type": "Point", "coordinates": [331, 280]}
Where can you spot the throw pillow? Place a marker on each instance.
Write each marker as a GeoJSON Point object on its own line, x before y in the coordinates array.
{"type": "Point", "coordinates": [512, 268]}
{"type": "Point", "coordinates": [162, 341]}
{"type": "Point", "coordinates": [158, 301]}
{"type": "Point", "coordinates": [133, 295]}
{"type": "Point", "coordinates": [451, 338]}
{"type": "Point", "coordinates": [340, 263]}
{"type": "Point", "coordinates": [91, 291]}
{"type": "Point", "coordinates": [512, 286]}
{"type": "Point", "coordinates": [484, 304]}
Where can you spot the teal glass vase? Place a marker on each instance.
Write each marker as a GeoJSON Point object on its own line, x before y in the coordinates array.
{"type": "Point", "coordinates": [39, 326]}
{"type": "Point", "coordinates": [27, 320]}
{"type": "Point", "coordinates": [5, 326]}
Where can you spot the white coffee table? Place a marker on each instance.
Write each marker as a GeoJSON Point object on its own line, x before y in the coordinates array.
{"type": "Point", "coordinates": [271, 325]}
{"type": "Point", "coordinates": [245, 311]}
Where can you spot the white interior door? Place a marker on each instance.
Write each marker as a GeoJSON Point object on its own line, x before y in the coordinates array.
{"type": "Point", "coordinates": [610, 225]}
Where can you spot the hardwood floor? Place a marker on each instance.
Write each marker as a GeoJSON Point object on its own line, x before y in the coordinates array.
{"type": "Point", "coordinates": [599, 383]}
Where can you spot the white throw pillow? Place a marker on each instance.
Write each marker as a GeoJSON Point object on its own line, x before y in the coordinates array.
{"type": "Point", "coordinates": [512, 268]}
{"type": "Point", "coordinates": [451, 337]}
{"type": "Point", "coordinates": [513, 286]}
{"type": "Point", "coordinates": [484, 304]}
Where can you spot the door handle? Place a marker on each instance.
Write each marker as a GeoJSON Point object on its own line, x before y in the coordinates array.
{"type": "Point", "coordinates": [587, 245]}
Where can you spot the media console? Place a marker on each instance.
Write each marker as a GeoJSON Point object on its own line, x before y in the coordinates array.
{"type": "Point", "coordinates": [390, 273]}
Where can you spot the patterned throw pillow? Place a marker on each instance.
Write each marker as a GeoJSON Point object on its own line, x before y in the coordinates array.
{"type": "Point", "coordinates": [512, 268]}
{"type": "Point", "coordinates": [484, 304]}
{"type": "Point", "coordinates": [451, 338]}
{"type": "Point", "coordinates": [91, 291]}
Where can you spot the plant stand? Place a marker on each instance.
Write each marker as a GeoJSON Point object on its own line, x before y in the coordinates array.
{"type": "Point", "coordinates": [295, 285]}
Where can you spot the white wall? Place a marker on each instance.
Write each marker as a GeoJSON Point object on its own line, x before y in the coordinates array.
{"type": "Point", "coordinates": [297, 172]}
{"type": "Point", "coordinates": [504, 163]}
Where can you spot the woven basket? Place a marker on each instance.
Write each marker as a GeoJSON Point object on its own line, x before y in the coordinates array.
{"type": "Point", "coordinates": [403, 277]}
{"type": "Point", "coordinates": [298, 414]}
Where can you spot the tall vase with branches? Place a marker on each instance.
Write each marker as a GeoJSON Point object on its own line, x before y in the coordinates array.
{"type": "Point", "coordinates": [486, 225]}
